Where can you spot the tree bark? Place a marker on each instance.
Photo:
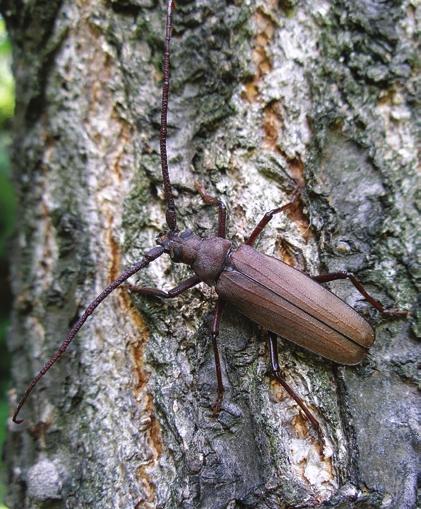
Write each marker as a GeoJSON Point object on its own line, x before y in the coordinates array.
{"type": "Point", "coordinates": [261, 93]}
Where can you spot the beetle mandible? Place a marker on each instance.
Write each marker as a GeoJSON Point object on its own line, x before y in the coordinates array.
{"type": "Point", "coordinates": [281, 299]}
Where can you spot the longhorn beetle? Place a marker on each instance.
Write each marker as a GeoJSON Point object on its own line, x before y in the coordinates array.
{"type": "Point", "coordinates": [281, 299]}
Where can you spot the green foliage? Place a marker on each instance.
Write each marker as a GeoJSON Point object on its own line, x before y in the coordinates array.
{"type": "Point", "coordinates": [7, 105]}
{"type": "Point", "coordinates": [7, 86]}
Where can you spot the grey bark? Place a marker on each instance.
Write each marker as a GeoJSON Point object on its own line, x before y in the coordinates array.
{"type": "Point", "coordinates": [324, 92]}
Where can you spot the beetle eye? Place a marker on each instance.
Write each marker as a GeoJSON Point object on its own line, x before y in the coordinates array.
{"type": "Point", "coordinates": [176, 253]}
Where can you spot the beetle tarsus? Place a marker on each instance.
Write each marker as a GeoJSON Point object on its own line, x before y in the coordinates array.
{"type": "Point", "coordinates": [396, 313]}
{"type": "Point", "coordinates": [217, 404]}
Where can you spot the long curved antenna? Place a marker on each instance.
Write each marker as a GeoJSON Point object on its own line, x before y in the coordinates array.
{"type": "Point", "coordinates": [146, 260]}
{"type": "Point", "coordinates": [171, 216]}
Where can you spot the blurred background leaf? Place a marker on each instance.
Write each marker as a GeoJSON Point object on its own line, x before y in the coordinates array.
{"type": "Point", "coordinates": [7, 218]}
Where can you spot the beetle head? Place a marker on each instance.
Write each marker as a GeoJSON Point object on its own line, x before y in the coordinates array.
{"type": "Point", "coordinates": [182, 247]}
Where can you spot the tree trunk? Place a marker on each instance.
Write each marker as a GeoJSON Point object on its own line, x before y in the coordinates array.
{"type": "Point", "coordinates": [261, 93]}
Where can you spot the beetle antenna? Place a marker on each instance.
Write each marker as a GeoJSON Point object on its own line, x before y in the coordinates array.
{"type": "Point", "coordinates": [148, 257]}
{"type": "Point", "coordinates": [170, 215]}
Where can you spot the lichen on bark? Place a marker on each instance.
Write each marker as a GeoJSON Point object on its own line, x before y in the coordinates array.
{"type": "Point", "coordinates": [262, 94]}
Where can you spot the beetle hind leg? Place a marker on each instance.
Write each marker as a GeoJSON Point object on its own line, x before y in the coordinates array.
{"type": "Point", "coordinates": [325, 278]}
{"type": "Point", "coordinates": [276, 373]}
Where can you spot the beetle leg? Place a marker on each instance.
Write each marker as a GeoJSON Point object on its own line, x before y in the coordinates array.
{"type": "Point", "coordinates": [155, 292]}
{"type": "Point", "coordinates": [217, 315]}
{"type": "Point", "coordinates": [222, 211]}
{"type": "Point", "coordinates": [325, 278]}
{"type": "Point", "coordinates": [276, 373]}
{"type": "Point", "coordinates": [269, 215]}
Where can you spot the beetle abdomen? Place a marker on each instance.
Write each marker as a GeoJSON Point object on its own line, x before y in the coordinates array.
{"type": "Point", "coordinates": [289, 303]}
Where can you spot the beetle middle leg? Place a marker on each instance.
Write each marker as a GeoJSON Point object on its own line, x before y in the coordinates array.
{"type": "Point", "coordinates": [216, 320]}
{"type": "Point", "coordinates": [276, 373]}
{"type": "Point", "coordinates": [269, 215]}
{"type": "Point", "coordinates": [333, 276]}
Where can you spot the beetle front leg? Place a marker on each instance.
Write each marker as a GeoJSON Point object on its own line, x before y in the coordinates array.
{"type": "Point", "coordinates": [217, 315]}
{"type": "Point", "coordinates": [174, 292]}
{"type": "Point", "coordinates": [333, 276]}
{"type": "Point", "coordinates": [276, 373]}
{"type": "Point", "coordinates": [261, 225]}
{"type": "Point", "coordinates": [222, 211]}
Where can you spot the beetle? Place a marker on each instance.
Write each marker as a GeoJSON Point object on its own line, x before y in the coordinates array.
{"type": "Point", "coordinates": [278, 297]}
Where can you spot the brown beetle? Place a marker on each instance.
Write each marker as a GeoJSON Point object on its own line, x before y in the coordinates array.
{"type": "Point", "coordinates": [281, 299]}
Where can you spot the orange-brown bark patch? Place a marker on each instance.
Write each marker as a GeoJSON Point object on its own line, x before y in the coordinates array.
{"type": "Point", "coordinates": [115, 256]}
{"type": "Point", "coordinates": [301, 425]}
{"type": "Point", "coordinates": [124, 137]}
{"type": "Point", "coordinates": [272, 125]}
{"type": "Point", "coordinates": [285, 253]}
{"type": "Point", "coordinates": [300, 219]}
{"type": "Point", "coordinates": [260, 55]}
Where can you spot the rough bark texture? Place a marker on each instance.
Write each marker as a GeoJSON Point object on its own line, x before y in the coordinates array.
{"type": "Point", "coordinates": [262, 91]}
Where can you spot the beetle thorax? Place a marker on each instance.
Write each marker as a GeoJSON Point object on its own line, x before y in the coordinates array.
{"type": "Point", "coordinates": [205, 256]}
